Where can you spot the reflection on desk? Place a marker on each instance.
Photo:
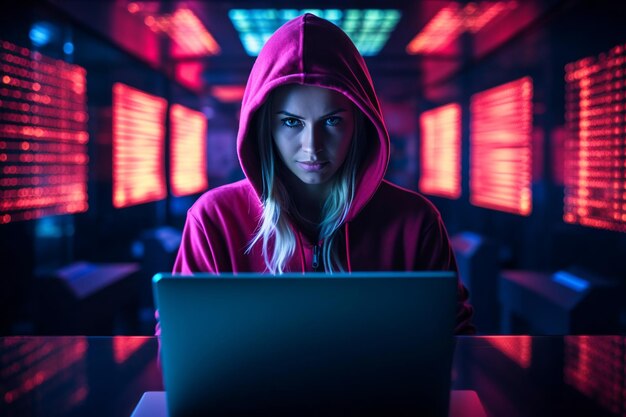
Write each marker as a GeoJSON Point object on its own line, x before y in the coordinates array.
{"type": "Point", "coordinates": [512, 375]}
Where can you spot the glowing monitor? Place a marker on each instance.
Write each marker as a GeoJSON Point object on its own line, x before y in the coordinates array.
{"type": "Point", "coordinates": [595, 142]}
{"type": "Point", "coordinates": [501, 147]}
{"type": "Point", "coordinates": [440, 156]}
{"type": "Point", "coordinates": [43, 135]}
{"type": "Point", "coordinates": [138, 146]}
{"type": "Point", "coordinates": [188, 151]}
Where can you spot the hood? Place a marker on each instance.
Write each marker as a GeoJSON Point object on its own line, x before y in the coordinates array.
{"type": "Point", "coordinates": [312, 51]}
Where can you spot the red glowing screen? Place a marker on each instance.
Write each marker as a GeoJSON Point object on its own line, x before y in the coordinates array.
{"type": "Point", "coordinates": [440, 155]}
{"type": "Point", "coordinates": [138, 146]}
{"type": "Point", "coordinates": [595, 367]}
{"type": "Point", "coordinates": [188, 151]}
{"type": "Point", "coordinates": [595, 142]}
{"type": "Point", "coordinates": [500, 147]}
{"type": "Point", "coordinates": [43, 135]}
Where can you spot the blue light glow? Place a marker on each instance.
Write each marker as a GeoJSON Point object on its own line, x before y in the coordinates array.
{"type": "Point", "coordinates": [68, 48]}
{"type": "Point", "coordinates": [49, 228]}
{"type": "Point", "coordinates": [40, 34]}
{"type": "Point", "coordinates": [369, 29]}
{"type": "Point", "coordinates": [571, 281]}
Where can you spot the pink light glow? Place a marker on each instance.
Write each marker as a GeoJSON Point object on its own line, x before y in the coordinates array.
{"type": "Point", "coordinates": [518, 348]}
{"type": "Point", "coordinates": [191, 38]}
{"type": "Point", "coordinates": [138, 146]}
{"type": "Point", "coordinates": [189, 74]}
{"type": "Point", "coordinates": [595, 367]}
{"type": "Point", "coordinates": [440, 156]}
{"type": "Point", "coordinates": [27, 365]}
{"type": "Point", "coordinates": [557, 145]}
{"type": "Point", "coordinates": [477, 16]}
{"type": "Point", "coordinates": [500, 147]}
{"type": "Point", "coordinates": [188, 164]}
{"type": "Point", "coordinates": [452, 20]}
{"type": "Point", "coordinates": [124, 347]}
{"type": "Point", "coordinates": [595, 141]}
{"type": "Point", "coordinates": [43, 135]}
{"type": "Point", "coordinates": [228, 93]}
{"type": "Point", "coordinates": [445, 27]}
{"type": "Point", "coordinates": [190, 35]}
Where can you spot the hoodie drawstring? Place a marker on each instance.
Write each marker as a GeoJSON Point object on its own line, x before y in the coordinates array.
{"type": "Point", "coordinates": [349, 264]}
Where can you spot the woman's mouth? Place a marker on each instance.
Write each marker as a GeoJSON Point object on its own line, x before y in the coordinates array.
{"type": "Point", "coordinates": [312, 166]}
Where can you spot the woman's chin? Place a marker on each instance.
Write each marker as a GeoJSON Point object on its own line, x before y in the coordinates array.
{"type": "Point", "coordinates": [313, 179]}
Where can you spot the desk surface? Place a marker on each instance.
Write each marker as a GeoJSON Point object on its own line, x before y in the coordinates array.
{"type": "Point", "coordinates": [512, 375]}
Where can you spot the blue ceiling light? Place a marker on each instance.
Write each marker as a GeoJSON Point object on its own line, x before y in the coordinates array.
{"type": "Point", "coordinates": [369, 29]}
{"type": "Point", "coordinates": [41, 33]}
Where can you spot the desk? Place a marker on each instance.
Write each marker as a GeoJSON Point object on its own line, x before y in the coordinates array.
{"type": "Point", "coordinates": [512, 375]}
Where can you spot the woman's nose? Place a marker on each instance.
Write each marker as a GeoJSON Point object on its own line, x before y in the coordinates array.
{"type": "Point", "coordinates": [311, 140]}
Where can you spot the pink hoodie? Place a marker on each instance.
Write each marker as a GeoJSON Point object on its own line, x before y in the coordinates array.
{"type": "Point", "coordinates": [388, 228]}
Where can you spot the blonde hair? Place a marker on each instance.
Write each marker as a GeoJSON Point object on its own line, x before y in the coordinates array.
{"type": "Point", "coordinates": [276, 202]}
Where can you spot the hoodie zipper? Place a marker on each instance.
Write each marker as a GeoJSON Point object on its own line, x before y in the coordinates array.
{"type": "Point", "coordinates": [316, 257]}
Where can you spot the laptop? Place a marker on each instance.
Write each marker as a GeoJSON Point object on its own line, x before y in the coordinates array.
{"type": "Point", "coordinates": [377, 343]}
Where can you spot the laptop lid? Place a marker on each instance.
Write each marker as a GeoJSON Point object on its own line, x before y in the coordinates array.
{"type": "Point", "coordinates": [315, 344]}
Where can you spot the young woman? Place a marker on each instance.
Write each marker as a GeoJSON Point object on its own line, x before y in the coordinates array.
{"type": "Point", "coordinates": [314, 149]}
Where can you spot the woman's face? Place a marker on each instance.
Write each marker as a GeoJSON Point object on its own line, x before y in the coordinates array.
{"type": "Point", "coordinates": [312, 128]}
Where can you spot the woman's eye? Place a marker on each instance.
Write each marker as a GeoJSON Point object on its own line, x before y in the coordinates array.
{"type": "Point", "coordinates": [291, 122]}
{"type": "Point", "coordinates": [333, 121]}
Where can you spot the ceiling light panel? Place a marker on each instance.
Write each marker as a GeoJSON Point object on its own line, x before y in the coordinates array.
{"type": "Point", "coordinates": [369, 29]}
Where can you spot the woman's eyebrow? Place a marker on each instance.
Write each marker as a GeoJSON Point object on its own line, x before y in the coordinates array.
{"type": "Point", "coordinates": [332, 113]}
{"type": "Point", "coordinates": [286, 113]}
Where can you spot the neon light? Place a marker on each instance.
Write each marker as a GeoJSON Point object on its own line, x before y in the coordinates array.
{"type": "Point", "coordinates": [501, 147]}
{"type": "Point", "coordinates": [369, 29]}
{"type": "Point", "coordinates": [43, 136]}
{"type": "Point", "coordinates": [595, 367]}
{"type": "Point", "coordinates": [68, 48]}
{"type": "Point", "coordinates": [452, 20]}
{"type": "Point", "coordinates": [440, 156]}
{"type": "Point", "coordinates": [228, 93]}
{"type": "Point", "coordinates": [133, 7]}
{"type": "Point", "coordinates": [446, 26]}
{"type": "Point", "coordinates": [570, 281]}
{"type": "Point", "coordinates": [41, 33]}
{"type": "Point", "coordinates": [188, 165]}
{"type": "Point", "coordinates": [190, 36]}
{"type": "Point", "coordinates": [595, 143]}
{"type": "Point", "coordinates": [477, 16]}
{"type": "Point", "coordinates": [189, 74]}
{"type": "Point", "coordinates": [518, 348]}
{"type": "Point", "coordinates": [138, 146]}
